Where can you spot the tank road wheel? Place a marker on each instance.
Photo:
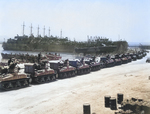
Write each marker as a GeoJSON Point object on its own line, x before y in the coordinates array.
{"type": "Point", "coordinates": [61, 75]}
{"type": "Point", "coordinates": [14, 84]}
{"type": "Point", "coordinates": [22, 83]}
{"type": "Point", "coordinates": [7, 86]}
{"type": "Point", "coordinates": [42, 80]}
{"type": "Point", "coordinates": [38, 79]}
{"type": "Point", "coordinates": [84, 71]}
{"type": "Point", "coordinates": [89, 69]}
{"type": "Point", "coordinates": [18, 84]}
{"type": "Point", "coordinates": [45, 78]}
{"type": "Point", "coordinates": [80, 71]}
{"type": "Point", "coordinates": [26, 83]}
{"type": "Point", "coordinates": [65, 75]}
{"type": "Point", "coordinates": [69, 74]}
{"type": "Point", "coordinates": [48, 79]}
{"type": "Point", "coordinates": [99, 67]}
{"type": "Point", "coordinates": [73, 73]}
{"type": "Point", "coordinates": [53, 78]}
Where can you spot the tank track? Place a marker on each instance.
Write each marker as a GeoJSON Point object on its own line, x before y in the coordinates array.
{"type": "Point", "coordinates": [95, 68]}
{"type": "Point", "coordinates": [44, 78]}
{"type": "Point", "coordinates": [15, 84]}
{"type": "Point", "coordinates": [83, 71]}
{"type": "Point", "coordinates": [62, 75]}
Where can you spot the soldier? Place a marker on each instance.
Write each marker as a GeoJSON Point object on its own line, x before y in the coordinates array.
{"type": "Point", "coordinates": [82, 60]}
{"type": "Point", "coordinates": [9, 61]}
{"type": "Point", "coordinates": [94, 59]}
{"type": "Point", "coordinates": [65, 63]}
{"type": "Point", "coordinates": [39, 57]}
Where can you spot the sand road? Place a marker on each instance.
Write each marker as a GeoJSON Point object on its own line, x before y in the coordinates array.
{"type": "Point", "coordinates": [67, 96]}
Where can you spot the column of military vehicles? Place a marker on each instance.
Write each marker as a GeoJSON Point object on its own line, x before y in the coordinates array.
{"type": "Point", "coordinates": [15, 75]}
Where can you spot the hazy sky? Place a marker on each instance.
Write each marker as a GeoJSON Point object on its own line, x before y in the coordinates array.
{"type": "Point", "coordinates": [127, 19]}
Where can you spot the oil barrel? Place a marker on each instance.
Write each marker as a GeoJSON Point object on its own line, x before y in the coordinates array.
{"type": "Point", "coordinates": [107, 100]}
{"type": "Point", "coordinates": [86, 108]}
{"type": "Point", "coordinates": [113, 105]}
{"type": "Point", "coordinates": [119, 98]}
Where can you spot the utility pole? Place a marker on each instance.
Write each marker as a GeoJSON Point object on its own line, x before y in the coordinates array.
{"type": "Point", "coordinates": [31, 30]}
{"type": "Point", "coordinates": [23, 29]}
{"type": "Point", "coordinates": [44, 32]}
{"type": "Point", "coordinates": [38, 31]}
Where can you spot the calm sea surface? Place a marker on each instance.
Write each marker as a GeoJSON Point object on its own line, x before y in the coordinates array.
{"type": "Point", "coordinates": [64, 55]}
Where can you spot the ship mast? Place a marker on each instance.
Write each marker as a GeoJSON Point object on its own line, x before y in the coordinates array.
{"type": "Point", "coordinates": [61, 33]}
{"type": "Point", "coordinates": [38, 31]}
{"type": "Point", "coordinates": [49, 31]}
{"type": "Point", "coordinates": [23, 28]}
{"type": "Point", "coordinates": [31, 30]}
{"type": "Point", "coordinates": [44, 32]}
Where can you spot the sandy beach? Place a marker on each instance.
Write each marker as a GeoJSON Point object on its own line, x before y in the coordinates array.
{"type": "Point", "coordinates": [67, 96]}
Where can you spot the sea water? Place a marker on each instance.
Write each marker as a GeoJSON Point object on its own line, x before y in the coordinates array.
{"type": "Point", "coordinates": [62, 54]}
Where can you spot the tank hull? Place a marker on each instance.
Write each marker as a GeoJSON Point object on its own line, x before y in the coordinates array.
{"type": "Point", "coordinates": [15, 84]}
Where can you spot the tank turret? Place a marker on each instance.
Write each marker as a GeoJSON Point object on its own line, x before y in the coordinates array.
{"type": "Point", "coordinates": [117, 60]}
{"type": "Point", "coordinates": [107, 61]}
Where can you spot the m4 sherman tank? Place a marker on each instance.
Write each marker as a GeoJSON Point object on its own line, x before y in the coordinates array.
{"type": "Point", "coordinates": [117, 60]}
{"type": "Point", "coordinates": [128, 57]}
{"type": "Point", "coordinates": [139, 55]}
{"type": "Point", "coordinates": [94, 63]}
{"type": "Point", "coordinates": [107, 61]}
{"type": "Point", "coordinates": [80, 65]}
{"type": "Point", "coordinates": [63, 69]}
{"type": "Point", "coordinates": [144, 53]}
{"type": "Point", "coordinates": [148, 60]}
{"type": "Point", "coordinates": [12, 77]}
{"type": "Point", "coordinates": [41, 72]}
{"type": "Point", "coordinates": [123, 58]}
{"type": "Point", "coordinates": [133, 56]}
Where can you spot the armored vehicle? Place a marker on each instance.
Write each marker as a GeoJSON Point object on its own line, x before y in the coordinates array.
{"type": "Point", "coordinates": [123, 58]}
{"type": "Point", "coordinates": [63, 69]}
{"type": "Point", "coordinates": [117, 60]}
{"type": "Point", "coordinates": [133, 56]}
{"type": "Point", "coordinates": [40, 72]}
{"type": "Point", "coordinates": [13, 77]}
{"type": "Point", "coordinates": [148, 60]}
{"type": "Point", "coordinates": [80, 65]}
{"type": "Point", "coordinates": [107, 61]}
{"type": "Point", "coordinates": [94, 63]}
{"type": "Point", "coordinates": [128, 57]}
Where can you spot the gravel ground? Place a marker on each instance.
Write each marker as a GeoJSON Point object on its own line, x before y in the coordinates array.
{"type": "Point", "coordinates": [67, 96]}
